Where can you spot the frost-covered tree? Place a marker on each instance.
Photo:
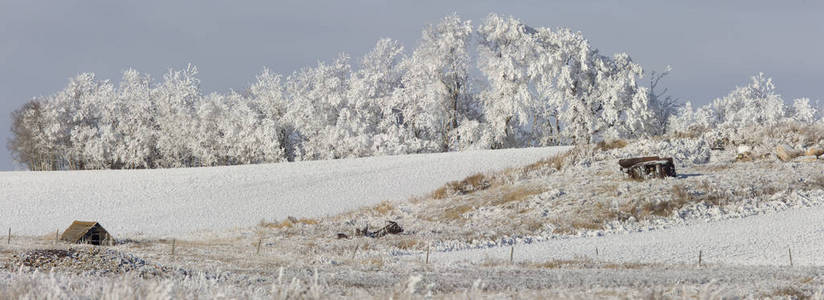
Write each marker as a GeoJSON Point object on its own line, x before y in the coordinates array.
{"type": "Point", "coordinates": [802, 111]}
{"type": "Point", "coordinates": [746, 112]}
{"type": "Point", "coordinates": [436, 83]}
{"type": "Point", "coordinates": [549, 87]}
{"type": "Point", "coordinates": [27, 145]}
{"type": "Point", "coordinates": [516, 111]}
{"type": "Point", "coordinates": [176, 99]}
{"type": "Point", "coordinates": [135, 117]}
{"type": "Point", "coordinates": [538, 87]}
{"type": "Point", "coordinates": [663, 105]}
{"type": "Point", "coordinates": [372, 122]}
{"type": "Point", "coordinates": [78, 128]}
{"type": "Point", "coordinates": [754, 104]}
{"type": "Point", "coordinates": [231, 131]}
{"type": "Point", "coordinates": [317, 96]}
{"type": "Point", "coordinates": [268, 99]}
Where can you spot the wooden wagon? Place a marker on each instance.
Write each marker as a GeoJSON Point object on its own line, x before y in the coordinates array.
{"type": "Point", "coordinates": [648, 167]}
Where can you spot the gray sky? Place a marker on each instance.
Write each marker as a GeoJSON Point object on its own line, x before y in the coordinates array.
{"type": "Point", "coordinates": [711, 46]}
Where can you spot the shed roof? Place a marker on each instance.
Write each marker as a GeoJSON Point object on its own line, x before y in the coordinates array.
{"type": "Point", "coordinates": [78, 229]}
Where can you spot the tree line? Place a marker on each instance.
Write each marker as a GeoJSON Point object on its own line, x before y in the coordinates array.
{"type": "Point", "coordinates": [501, 84]}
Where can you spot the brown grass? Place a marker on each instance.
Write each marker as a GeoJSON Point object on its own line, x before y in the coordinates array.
{"type": "Point", "coordinates": [571, 226]}
{"type": "Point", "coordinates": [456, 212]}
{"type": "Point", "coordinates": [519, 194]}
{"type": "Point", "coordinates": [609, 145]}
{"type": "Point", "coordinates": [593, 217]}
{"type": "Point", "coordinates": [384, 208]}
{"type": "Point", "coordinates": [468, 185]}
{"type": "Point", "coordinates": [680, 196]}
{"type": "Point", "coordinates": [499, 196]}
{"type": "Point", "coordinates": [407, 243]}
{"type": "Point", "coordinates": [560, 263]}
{"type": "Point", "coordinates": [552, 163]}
{"type": "Point", "coordinates": [693, 132]}
{"type": "Point", "coordinates": [555, 162]}
{"type": "Point", "coordinates": [790, 292]}
{"type": "Point", "coordinates": [376, 262]}
{"type": "Point", "coordinates": [588, 263]}
{"type": "Point", "coordinates": [288, 223]}
{"type": "Point", "coordinates": [815, 183]}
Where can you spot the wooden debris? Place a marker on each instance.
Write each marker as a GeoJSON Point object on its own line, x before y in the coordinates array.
{"type": "Point", "coordinates": [390, 228]}
{"type": "Point", "coordinates": [648, 167]}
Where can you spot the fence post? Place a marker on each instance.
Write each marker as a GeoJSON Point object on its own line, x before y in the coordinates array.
{"type": "Point", "coordinates": [56, 236]}
{"type": "Point", "coordinates": [356, 251]}
{"type": "Point", "coordinates": [9, 240]}
{"type": "Point", "coordinates": [790, 251]}
{"type": "Point", "coordinates": [173, 247]}
{"type": "Point", "coordinates": [700, 253]}
{"type": "Point", "coordinates": [427, 253]}
{"type": "Point", "coordinates": [596, 251]}
{"type": "Point", "coordinates": [258, 247]}
{"type": "Point", "coordinates": [512, 254]}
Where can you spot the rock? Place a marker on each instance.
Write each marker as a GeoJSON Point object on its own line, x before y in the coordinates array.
{"type": "Point", "coordinates": [815, 151]}
{"type": "Point", "coordinates": [744, 149]}
{"type": "Point", "coordinates": [784, 153]}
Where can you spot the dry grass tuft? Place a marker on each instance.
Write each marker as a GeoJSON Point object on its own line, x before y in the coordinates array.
{"type": "Point", "coordinates": [519, 193]}
{"type": "Point", "coordinates": [471, 184]}
{"type": "Point", "coordinates": [588, 263]}
{"type": "Point", "coordinates": [384, 208]}
{"type": "Point", "coordinates": [595, 216]}
{"type": "Point", "coordinates": [555, 162]}
{"type": "Point", "coordinates": [694, 132]}
{"type": "Point", "coordinates": [288, 223]}
{"type": "Point", "coordinates": [680, 196]}
{"type": "Point", "coordinates": [571, 226]}
{"type": "Point", "coordinates": [789, 292]}
{"type": "Point", "coordinates": [609, 145]}
{"type": "Point", "coordinates": [406, 243]}
{"type": "Point", "coordinates": [816, 183]}
{"type": "Point", "coordinates": [375, 262]}
{"type": "Point", "coordinates": [456, 212]}
{"type": "Point", "coordinates": [561, 263]}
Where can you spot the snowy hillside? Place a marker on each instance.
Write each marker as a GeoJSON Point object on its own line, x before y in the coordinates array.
{"type": "Point", "coordinates": [756, 240]}
{"type": "Point", "coordinates": [178, 201]}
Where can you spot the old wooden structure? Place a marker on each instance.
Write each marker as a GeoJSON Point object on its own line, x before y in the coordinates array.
{"type": "Point", "coordinates": [83, 232]}
{"type": "Point", "coordinates": [390, 228]}
{"type": "Point", "coordinates": [648, 167]}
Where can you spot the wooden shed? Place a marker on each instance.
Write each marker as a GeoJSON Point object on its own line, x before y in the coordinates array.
{"type": "Point", "coordinates": [86, 232]}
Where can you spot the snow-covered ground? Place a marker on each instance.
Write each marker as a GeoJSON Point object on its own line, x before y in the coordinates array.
{"type": "Point", "coordinates": [744, 226]}
{"type": "Point", "coordinates": [180, 201]}
{"type": "Point", "coordinates": [756, 240]}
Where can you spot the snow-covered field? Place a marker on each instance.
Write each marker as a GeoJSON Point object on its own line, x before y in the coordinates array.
{"type": "Point", "coordinates": [757, 240]}
{"type": "Point", "coordinates": [745, 227]}
{"type": "Point", "coordinates": [179, 201]}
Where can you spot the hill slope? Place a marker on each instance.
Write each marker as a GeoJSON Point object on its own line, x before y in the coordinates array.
{"type": "Point", "coordinates": [179, 201]}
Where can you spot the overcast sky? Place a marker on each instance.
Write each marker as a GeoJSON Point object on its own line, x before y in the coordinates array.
{"type": "Point", "coordinates": [712, 47]}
